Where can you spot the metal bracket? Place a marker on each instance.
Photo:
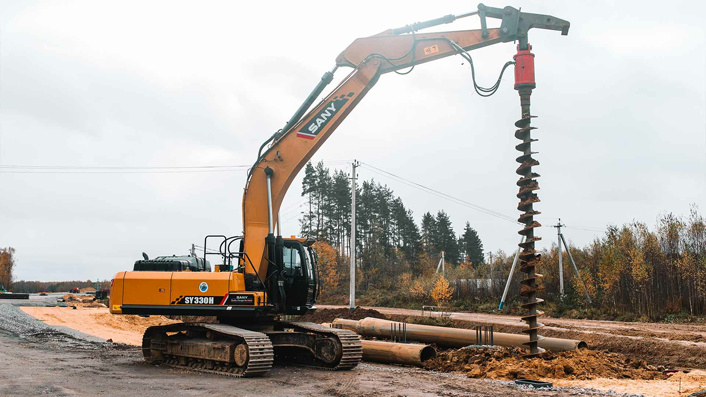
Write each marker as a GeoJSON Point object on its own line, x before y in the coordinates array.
{"type": "Point", "coordinates": [515, 24]}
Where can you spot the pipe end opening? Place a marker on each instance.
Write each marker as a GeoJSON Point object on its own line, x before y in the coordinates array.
{"type": "Point", "coordinates": [427, 353]}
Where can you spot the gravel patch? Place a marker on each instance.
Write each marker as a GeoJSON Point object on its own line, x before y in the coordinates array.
{"type": "Point", "coordinates": [16, 322]}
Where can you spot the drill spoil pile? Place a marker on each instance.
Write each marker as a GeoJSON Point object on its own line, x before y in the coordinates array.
{"type": "Point", "coordinates": [328, 315]}
{"type": "Point", "coordinates": [509, 363]}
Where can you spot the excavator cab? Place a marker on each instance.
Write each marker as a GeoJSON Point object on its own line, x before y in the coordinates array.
{"type": "Point", "coordinates": [292, 280]}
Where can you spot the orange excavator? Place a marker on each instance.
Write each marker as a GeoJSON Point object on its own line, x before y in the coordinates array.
{"type": "Point", "coordinates": [264, 277]}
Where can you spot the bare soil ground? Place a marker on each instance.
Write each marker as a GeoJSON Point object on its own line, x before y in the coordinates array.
{"type": "Point", "coordinates": [107, 367]}
{"type": "Point", "coordinates": [509, 363]}
{"type": "Point", "coordinates": [669, 345]}
{"type": "Point", "coordinates": [626, 357]}
{"type": "Point", "coordinates": [38, 360]}
{"type": "Point", "coordinates": [105, 371]}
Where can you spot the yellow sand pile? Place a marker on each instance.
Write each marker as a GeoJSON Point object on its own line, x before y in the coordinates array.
{"type": "Point", "coordinates": [97, 321]}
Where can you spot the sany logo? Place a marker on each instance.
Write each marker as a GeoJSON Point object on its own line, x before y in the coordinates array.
{"type": "Point", "coordinates": [314, 126]}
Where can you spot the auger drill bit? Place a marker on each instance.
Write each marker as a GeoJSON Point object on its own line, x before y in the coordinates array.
{"type": "Point", "coordinates": [524, 83]}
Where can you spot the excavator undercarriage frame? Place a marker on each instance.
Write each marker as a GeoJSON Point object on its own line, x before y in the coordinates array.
{"type": "Point", "coordinates": [229, 350]}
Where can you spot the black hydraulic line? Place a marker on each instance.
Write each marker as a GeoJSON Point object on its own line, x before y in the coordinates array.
{"type": "Point", "coordinates": [432, 22]}
{"type": "Point", "coordinates": [325, 80]}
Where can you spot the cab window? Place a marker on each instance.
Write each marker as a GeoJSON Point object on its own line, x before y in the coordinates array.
{"type": "Point", "coordinates": [292, 261]}
{"type": "Point", "coordinates": [309, 265]}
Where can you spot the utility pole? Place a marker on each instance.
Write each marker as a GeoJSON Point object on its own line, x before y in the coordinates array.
{"type": "Point", "coordinates": [491, 272]}
{"type": "Point", "coordinates": [576, 269]}
{"type": "Point", "coordinates": [561, 264]}
{"type": "Point", "coordinates": [571, 258]}
{"type": "Point", "coordinates": [441, 265]}
{"type": "Point", "coordinates": [490, 261]}
{"type": "Point", "coordinates": [193, 250]}
{"type": "Point", "coordinates": [354, 165]}
{"type": "Point", "coordinates": [509, 276]}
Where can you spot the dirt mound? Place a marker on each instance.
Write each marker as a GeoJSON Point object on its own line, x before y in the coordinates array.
{"type": "Point", "coordinates": [328, 315]}
{"type": "Point", "coordinates": [508, 363]}
{"type": "Point", "coordinates": [71, 298]}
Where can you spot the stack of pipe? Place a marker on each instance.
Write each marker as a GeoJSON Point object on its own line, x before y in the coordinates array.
{"type": "Point", "coordinates": [451, 337]}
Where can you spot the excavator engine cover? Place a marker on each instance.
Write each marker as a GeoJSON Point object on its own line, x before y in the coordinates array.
{"type": "Point", "coordinates": [172, 264]}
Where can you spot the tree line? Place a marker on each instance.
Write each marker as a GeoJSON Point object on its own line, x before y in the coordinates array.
{"type": "Point", "coordinates": [56, 286]}
{"type": "Point", "coordinates": [388, 240]}
{"type": "Point", "coordinates": [631, 272]}
{"type": "Point", "coordinates": [651, 273]}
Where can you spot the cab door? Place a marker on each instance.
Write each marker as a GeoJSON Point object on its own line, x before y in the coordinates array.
{"type": "Point", "coordinates": [294, 273]}
{"type": "Point", "coordinates": [312, 275]}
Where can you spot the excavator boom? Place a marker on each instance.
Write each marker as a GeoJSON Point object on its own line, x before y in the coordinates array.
{"type": "Point", "coordinates": [370, 57]}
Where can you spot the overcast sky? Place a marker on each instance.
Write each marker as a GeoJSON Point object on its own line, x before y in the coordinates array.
{"type": "Point", "coordinates": [621, 106]}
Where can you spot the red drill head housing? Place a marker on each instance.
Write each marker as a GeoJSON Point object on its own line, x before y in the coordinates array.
{"type": "Point", "coordinates": [524, 68]}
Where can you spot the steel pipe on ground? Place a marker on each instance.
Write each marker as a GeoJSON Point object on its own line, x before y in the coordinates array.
{"type": "Point", "coordinates": [397, 353]}
{"type": "Point", "coordinates": [451, 337]}
{"type": "Point", "coordinates": [345, 324]}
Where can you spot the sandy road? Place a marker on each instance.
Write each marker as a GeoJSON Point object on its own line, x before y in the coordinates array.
{"type": "Point", "coordinates": [39, 360]}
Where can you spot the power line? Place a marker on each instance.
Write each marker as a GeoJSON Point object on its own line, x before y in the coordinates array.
{"type": "Point", "coordinates": [587, 229]}
{"type": "Point", "coordinates": [580, 227]}
{"type": "Point", "coordinates": [210, 251]}
{"type": "Point", "coordinates": [70, 169]}
{"type": "Point", "coordinates": [291, 217]}
{"type": "Point", "coordinates": [461, 201]}
{"type": "Point", "coordinates": [119, 167]}
{"type": "Point", "coordinates": [61, 169]}
{"type": "Point", "coordinates": [437, 193]}
{"type": "Point", "coordinates": [117, 172]}
{"type": "Point", "coordinates": [296, 204]}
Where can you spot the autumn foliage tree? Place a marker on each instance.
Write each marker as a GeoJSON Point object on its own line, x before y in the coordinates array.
{"type": "Point", "coordinates": [7, 263]}
{"type": "Point", "coordinates": [442, 291]}
{"type": "Point", "coordinates": [639, 271]}
{"type": "Point", "coordinates": [329, 272]}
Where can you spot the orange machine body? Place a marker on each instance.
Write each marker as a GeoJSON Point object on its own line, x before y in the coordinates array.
{"type": "Point", "coordinates": [182, 293]}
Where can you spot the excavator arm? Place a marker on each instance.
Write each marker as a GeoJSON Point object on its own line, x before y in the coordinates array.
{"type": "Point", "coordinates": [370, 57]}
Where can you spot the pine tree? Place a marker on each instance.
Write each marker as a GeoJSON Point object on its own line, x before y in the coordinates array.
{"type": "Point", "coordinates": [428, 233]}
{"type": "Point", "coordinates": [445, 237]}
{"type": "Point", "coordinates": [471, 246]}
{"type": "Point", "coordinates": [309, 190]}
{"type": "Point", "coordinates": [324, 207]}
{"type": "Point", "coordinates": [341, 196]}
